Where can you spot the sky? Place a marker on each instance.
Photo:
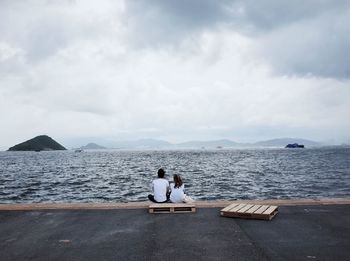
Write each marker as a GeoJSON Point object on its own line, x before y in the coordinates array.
{"type": "Point", "coordinates": [174, 70]}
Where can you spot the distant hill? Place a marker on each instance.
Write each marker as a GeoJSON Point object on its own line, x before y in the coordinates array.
{"type": "Point", "coordinates": [143, 144]}
{"type": "Point", "coordinates": [284, 141]}
{"type": "Point", "coordinates": [225, 143]}
{"type": "Point", "coordinates": [38, 143]}
{"type": "Point", "coordinates": [209, 144]}
{"type": "Point", "coordinates": [92, 146]}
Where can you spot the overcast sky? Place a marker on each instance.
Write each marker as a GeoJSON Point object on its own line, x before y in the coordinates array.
{"type": "Point", "coordinates": [174, 70]}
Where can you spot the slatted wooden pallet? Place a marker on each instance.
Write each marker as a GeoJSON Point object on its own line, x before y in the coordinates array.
{"type": "Point", "coordinates": [265, 212]}
{"type": "Point", "coordinates": [171, 208]}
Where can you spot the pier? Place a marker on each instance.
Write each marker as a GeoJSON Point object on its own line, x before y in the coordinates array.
{"type": "Point", "coordinates": [305, 229]}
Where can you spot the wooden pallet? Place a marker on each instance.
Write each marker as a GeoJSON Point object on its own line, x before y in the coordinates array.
{"type": "Point", "coordinates": [171, 208]}
{"type": "Point", "coordinates": [265, 212]}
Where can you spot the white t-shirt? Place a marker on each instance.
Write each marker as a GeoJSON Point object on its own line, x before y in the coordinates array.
{"type": "Point", "coordinates": [160, 188]}
{"type": "Point", "coordinates": [177, 194]}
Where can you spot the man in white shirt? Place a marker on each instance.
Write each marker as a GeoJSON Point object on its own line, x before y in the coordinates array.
{"type": "Point", "coordinates": [161, 189]}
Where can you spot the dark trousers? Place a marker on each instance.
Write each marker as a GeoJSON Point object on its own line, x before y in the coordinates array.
{"type": "Point", "coordinates": [151, 198]}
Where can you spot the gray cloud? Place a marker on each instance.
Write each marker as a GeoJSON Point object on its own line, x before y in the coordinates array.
{"type": "Point", "coordinates": [265, 16]}
{"type": "Point", "coordinates": [248, 16]}
{"type": "Point", "coordinates": [296, 37]}
{"type": "Point", "coordinates": [155, 23]}
{"type": "Point", "coordinates": [318, 47]}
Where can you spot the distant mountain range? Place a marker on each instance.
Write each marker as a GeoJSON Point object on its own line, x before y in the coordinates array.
{"type": "Point", "coordinates": [284, 141]}
{"type": "Point", "coordinates": [223, 143]}
{"type": "Point", "coordinates": [142, 144]}
{"type": "Point", "coordinates": [208, 144]}
{"type": "Point", "coordinates": [44, 142]}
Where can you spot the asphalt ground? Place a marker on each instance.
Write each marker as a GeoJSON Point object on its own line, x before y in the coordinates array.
{"type": "Point", "coordinates": [296, 233]}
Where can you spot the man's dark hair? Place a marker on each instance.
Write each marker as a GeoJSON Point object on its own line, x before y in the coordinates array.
{"type": "Point", "coordinates": [161, 173]}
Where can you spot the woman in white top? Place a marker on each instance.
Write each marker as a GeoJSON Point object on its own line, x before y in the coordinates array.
{"type": "Point", "coordinates": [177, 194]}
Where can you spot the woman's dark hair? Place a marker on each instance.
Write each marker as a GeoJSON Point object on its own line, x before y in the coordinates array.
{"type": "Point", "coordinates": [177, 181]}
{"type": "Point", "coordinates": [161, 173]}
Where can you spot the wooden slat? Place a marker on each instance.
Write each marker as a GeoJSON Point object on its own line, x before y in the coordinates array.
{"type": "Point", "coordinates": [245, 208]}
{"type": "Point", "coordinates": [266, 216]}
{"type": "Point", "coordinates": [272, 214]}
{"type": "Point", "coordinates": [171, 208]}
{"type": "Point", "coordinates": [261, 209]}
{"type": "Point", "coordinates": [260, 216]}
{"type": "Point", "coordinates": [160, 210]}
{"type": "Point", "coordinates": [270, 210]}
{"type": "Point", "coordinates": [171, 205]}
{"type": "Point", "coordinates": [184, 210]}
{"type": "Point", "coordinates": [237, 208]}
{"type": "Point", "coordinates": [229, 207]}
{"type": "Point", "coordinates": [252, 209]}
{"type": "Point", "coordinates": [179, 209]}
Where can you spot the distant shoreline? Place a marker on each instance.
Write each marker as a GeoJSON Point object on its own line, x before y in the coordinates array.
{"type": "Point", "coordinates": [187, 149]}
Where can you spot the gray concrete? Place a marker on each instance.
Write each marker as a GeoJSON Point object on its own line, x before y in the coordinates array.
{"type": "Point", "coordinates": [296, 233]}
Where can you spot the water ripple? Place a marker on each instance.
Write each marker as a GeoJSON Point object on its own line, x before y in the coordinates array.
{"type": "Point", "coordinates": [105, 176]}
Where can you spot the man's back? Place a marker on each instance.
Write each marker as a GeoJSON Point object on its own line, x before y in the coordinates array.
{"type": "Point", "coordinates": [160, 189]}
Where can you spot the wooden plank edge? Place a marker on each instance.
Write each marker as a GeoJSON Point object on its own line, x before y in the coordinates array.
{"type": "Point", "coordinates": [248, 216]}
{"type": "Point", "coordinates": [173, 212]}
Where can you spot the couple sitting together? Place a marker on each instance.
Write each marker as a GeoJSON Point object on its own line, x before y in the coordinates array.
{"type": "Point", "coordinates": [163, 191]}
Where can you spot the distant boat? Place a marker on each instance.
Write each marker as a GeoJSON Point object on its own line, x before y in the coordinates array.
{"type": "Point", "coordinates": [37, 150]}
{"type": "Point", "coordinates": [294, 145]}
{"type": "Point", "coordinates": [78, 150]}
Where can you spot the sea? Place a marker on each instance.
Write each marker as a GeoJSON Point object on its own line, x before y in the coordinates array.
{"type": "Point", "coordinates": [125, 176]}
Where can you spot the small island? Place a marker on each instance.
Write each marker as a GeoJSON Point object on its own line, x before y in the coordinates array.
{"type": "Point", "coordinates": [92, 146]}
{"type": "Point", "coordinates": [39, 143]}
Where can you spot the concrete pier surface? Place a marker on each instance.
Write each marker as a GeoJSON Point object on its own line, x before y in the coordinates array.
{"type": "Point", "coordinates": [299, 232]}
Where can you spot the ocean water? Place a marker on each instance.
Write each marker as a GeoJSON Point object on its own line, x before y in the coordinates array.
{"type": "Point", "coordinates": [124, 176]}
